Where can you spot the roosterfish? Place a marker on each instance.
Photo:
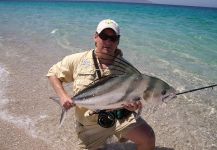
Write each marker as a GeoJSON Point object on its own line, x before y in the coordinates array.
{"type": "Point", "coordinates": [116, 90]}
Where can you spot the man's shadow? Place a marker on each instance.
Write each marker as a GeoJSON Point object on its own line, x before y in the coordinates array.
{"type": "Point", "coordinates": [129, 146]}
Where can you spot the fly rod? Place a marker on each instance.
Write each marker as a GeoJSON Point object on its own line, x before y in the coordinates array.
{"type": "Point", "coordinates": [197, 89]}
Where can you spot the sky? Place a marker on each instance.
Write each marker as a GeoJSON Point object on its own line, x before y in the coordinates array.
{"type": "Point", "coordinates": [204, 3]}
{"type": "Point", "coordinates": [201, 3]}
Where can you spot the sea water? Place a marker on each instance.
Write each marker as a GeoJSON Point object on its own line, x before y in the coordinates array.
{"type": "Point", "coordinates": [176, 44]}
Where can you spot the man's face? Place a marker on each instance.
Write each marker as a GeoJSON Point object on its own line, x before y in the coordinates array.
{"type": "Point", "coordinates": [106, 42]}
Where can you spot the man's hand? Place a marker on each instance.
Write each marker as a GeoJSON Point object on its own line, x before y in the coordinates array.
{"type": "Point", "coordinates": [67, 102]}
{"type": "Point", "coordinates": [133, 106]}
{"type": "Point", "coordinates": [65, 99]}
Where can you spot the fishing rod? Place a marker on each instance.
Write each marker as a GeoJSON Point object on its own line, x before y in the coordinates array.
{"type": "Point", "coordinates": [197, 89]}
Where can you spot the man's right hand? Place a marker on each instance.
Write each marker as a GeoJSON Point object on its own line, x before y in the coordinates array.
{"type": "Point", "coordinates": [65, 99]}
{"type": "Point", "coordinates": [67, 102]}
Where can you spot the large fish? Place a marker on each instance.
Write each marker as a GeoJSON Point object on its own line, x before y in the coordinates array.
{"type": "Point", "coordinates": [115, 91]}
{"type": "Point", "coordinates": [125, 86]}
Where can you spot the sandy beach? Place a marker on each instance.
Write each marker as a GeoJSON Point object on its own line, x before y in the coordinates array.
{"type": "Point", "coordinates": [27, 109]}
{"type": "Point", "coordinates": [36, 35]}
{"type": "Point", "coordinates": [28, 118]}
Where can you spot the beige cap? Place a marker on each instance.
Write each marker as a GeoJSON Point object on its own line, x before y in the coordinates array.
{"type": "Point", "coordinates": [108, 23]}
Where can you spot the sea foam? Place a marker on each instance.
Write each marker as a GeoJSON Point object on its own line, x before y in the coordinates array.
{"type": "Point", "coordinates": [54, 31]}
{"type": "Point", "coordinates": [23, 122]}
{"type": "Point", "coordinates": [3, 82]}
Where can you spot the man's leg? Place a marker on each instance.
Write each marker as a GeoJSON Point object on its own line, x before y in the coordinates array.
{"type": "Point", "coordinates": [142, 135]}
{"type": "Point", "coordinates": [92, 137]}
{"type": "Point", "coordinates": [136, 130]}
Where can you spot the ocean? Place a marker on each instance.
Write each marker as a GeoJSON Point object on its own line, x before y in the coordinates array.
{"type": "Point", "coordinates": [175, 43]}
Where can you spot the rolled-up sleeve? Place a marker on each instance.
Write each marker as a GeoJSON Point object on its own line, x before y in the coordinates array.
{"type": "Point", "coordinates": [63, 70]}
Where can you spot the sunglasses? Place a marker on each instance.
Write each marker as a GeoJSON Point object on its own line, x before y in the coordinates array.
{"type": "Point", "coordinates": [113, 38]}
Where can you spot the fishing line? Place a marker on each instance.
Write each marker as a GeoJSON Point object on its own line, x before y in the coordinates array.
{"type": "Point", "coordinates": [197, 89]}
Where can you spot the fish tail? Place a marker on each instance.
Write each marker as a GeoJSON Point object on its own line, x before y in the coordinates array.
{"type": "Point", "coordinates": [64, 111]}
{"type": "Point", "coordinates": [55, 99]}
{"type": "Point", "coordinates": [62, 117]}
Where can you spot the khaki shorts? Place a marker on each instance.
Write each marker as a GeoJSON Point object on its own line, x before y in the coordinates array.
{"type": "Point", "coordinates": [94, 136]}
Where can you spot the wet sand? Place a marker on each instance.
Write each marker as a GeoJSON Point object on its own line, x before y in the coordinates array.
{"type": "Point", "coordinates": [28, 114]}
{"type": "Point", "coordinates": [28, 119]}
{"type": "Point", "coordinates": [13, 138]}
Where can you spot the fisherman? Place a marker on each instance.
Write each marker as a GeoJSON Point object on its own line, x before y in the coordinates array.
{"type": "Point", "coordinates": [84, 69]}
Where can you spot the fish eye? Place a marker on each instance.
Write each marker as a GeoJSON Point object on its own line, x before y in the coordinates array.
{"type": "Point", "coordinates": [163, 92]}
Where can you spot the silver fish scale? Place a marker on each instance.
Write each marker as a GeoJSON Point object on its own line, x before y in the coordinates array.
{"type": "Point", "coordinates": [112, 93]}
{"type": "Point", "coordinates": [104, 86]}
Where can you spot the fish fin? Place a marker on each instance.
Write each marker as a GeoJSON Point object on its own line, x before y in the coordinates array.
{"type": "Point", "coordinates": [62, 117]}
{"type": "Point", "coordinates": [55, 99]}
{"type": "Point", "coordinates": [103, 79]}
{"type": "Point", "coordinates": [139, 112]}
{"type": "Point", "coordinates": [63, 113]}
{"type": "Point", "coordinates": [122, 63]}
{"type": "Point", "coordinates": [95, 83]}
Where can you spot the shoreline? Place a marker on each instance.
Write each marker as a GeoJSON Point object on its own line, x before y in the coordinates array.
{"type": "Point", "coordinates": [28, 119]}
{"type": "Point", "coordinates": [27, 103]}
{"type": "Point", "coordinates": [13, 138]}
{"type": "Point", "coordinates": [24, 98]}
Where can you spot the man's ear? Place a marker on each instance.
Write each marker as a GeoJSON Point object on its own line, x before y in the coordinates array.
{"type": "Point", "coordinates": [95, 36]}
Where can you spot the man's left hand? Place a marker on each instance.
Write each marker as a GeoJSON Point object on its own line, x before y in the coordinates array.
{"type": "Point", "coordinates": [133, 106]}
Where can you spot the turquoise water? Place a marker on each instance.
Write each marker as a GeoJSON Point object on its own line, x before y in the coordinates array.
{"type": "Point", "coordinates": [177, 44]}
{"type": "Point", "coordinates": [182, 36]}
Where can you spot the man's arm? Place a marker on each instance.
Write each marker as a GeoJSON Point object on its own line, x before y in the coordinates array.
{"type": "Point", "coordinates": [65, 99]}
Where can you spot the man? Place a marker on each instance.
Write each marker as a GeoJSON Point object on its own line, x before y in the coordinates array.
{"type": "Point", "coordinates": [84, 69]}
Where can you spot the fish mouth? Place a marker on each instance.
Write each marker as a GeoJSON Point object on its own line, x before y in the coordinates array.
{"type": "Point", "coordinates": [168, 97]}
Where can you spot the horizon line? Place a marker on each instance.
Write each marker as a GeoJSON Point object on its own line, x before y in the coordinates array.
{"type": "Point", "coordinates": [111, 1]}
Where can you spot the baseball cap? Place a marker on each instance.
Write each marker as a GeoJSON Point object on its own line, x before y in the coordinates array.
{"type": "Point", "coordinates": [108, 23]}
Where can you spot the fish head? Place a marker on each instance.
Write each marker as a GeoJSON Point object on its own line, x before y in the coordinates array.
{"type": "Point", "coordinates": [168, 94]}
{"type": "Point", "coordinates": [158, 90]}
